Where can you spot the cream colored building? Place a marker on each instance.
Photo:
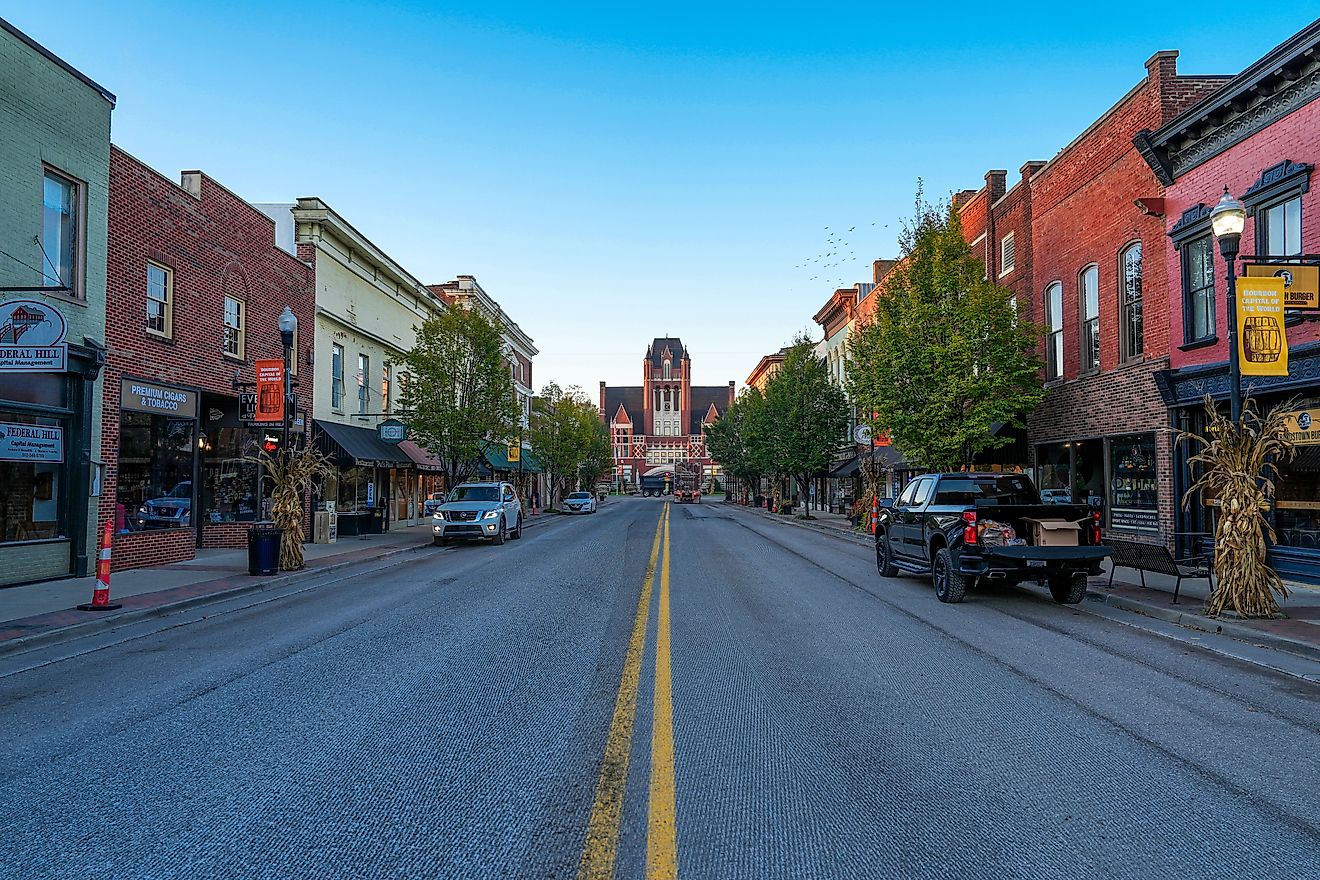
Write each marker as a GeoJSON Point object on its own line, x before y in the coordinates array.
{"type": "Point", "coordinates": [367, 309]}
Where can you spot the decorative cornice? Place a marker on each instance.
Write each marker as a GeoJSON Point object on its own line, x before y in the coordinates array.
{"type": "Point", "coordinates": [1276, 180]}
{"type": "Point", "coordinates": [1287, 100]}
{"type": "Point", "coordinates": [1158, 160]}
{"type": "Point", "coordinates": [1191, 384]}
{"type": "Point", "coordinates": [1190, 223]}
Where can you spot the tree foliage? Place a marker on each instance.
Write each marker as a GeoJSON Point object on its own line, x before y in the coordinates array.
{"type": "Point", "coordinates": [946, 357]}
{"type": "Point", "coordinates": [460, 392]}
{"type": "Point", "coordinates": [732, 439]}
{"type": "Point", "coordinates": [569, 439]}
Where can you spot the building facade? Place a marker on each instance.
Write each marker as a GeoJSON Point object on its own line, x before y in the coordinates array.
{"type": "Point", "coordinates": [1099, 264]}
{"type": "Point", "coordinates": [662, 422]}
{"type": "Point", "coordinates": [54, 187]}
{"type": "Point", "coordinates": [1257, 137]}
{"type": "Point", "coordinates": [196, 286]}
{"type": "Point", "coordinates": [366, 308]}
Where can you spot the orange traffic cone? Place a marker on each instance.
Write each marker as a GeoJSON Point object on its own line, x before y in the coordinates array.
{"type": "Point", "coordinates": [101, 594]}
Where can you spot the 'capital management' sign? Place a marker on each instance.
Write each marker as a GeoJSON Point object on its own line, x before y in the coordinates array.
{"type": "Point", "coordinates": [31, 442]}
{"type": "Point", "coordinates": [32, 337]}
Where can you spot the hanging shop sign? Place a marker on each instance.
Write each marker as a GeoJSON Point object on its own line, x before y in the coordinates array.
{"type": "Point", "coordinates": [1262, 342]}
{"type": "Point", "coordinates": [1303, 427]}
{"type": "Point", "coordinates": [270, 391]}
{"type": "Point", "coordinates": [392, 431]}
{"type": "Point", "coordinates": [515, 453]}
{"type": "Point", "coordinates": [32, 337]}
{"type": "Point", "coordinates": [139, 396]}
{"type": "Point", "coordinates": [247, 406]}
{"type": "Point", "coordinates": [1301, 284]}
{"type": "Point", "coordinates": [31, 442]}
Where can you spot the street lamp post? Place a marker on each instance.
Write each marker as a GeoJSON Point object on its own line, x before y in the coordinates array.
{"type": "Point", "coordinates": [288, 327]}
{"type": "Point", "coordinates": [1228, 219]}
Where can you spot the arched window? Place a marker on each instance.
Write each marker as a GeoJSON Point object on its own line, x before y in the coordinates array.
{"type": "Point", "coordinates": [1088, 304]}
{"type": "Point", "coordinates": [1129, 303]}
{"type": "Point", "coordinates": [1054, 337]}
{"type": "Point", "coordinates": [667, 376]}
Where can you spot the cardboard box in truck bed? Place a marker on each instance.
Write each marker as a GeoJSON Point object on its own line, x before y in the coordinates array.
{"type": "Point", "coordinates": [1052, 532]}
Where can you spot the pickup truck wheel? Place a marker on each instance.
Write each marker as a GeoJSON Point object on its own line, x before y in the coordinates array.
{"type": "Point", "coordinates": [950, 584]}
{"type": "Point", "coordinates": [884, 558]}
{"type": "Point", "coordinates": [1068, 589]}
{"type": "Point", "coordinates": [499, 536]}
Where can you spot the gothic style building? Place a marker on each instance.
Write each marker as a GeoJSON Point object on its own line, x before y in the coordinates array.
{"type": "Point", "coordinates": [661, 421]}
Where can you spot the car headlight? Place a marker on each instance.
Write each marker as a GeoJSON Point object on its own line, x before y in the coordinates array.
{"type": "Point", "coordinates": [490, 514]}
{"type": "Point", "coordinates": [438, 515]}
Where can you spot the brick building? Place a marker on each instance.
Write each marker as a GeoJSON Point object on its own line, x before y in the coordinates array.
{"type": "Point", "coordinates": [1098, 266]}
{"type": "Point", "coordinates": [1257, 136]}
{"type": "Point", "coordinates": [661, 422]}
{"type": "Point", "coordinates": [197, 284]}
{"type": "Point", "coordinates": [54, 162]}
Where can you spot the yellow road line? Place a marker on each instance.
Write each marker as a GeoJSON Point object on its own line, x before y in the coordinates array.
{"type": "Point", "coordinates": [602, 843]}
{"type": "Point", "coordinates": [662, 833]}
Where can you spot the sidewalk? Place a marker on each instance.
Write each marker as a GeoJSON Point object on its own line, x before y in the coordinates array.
{"type": "Point", "coordinates": [1298, 632]}
{"type": "Point", "coordinates": [29, 611]}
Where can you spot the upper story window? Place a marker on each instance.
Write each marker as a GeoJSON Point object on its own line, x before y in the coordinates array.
{"type": "Point", "coordinates": [667, 370]}
{"type": "Point", "coordinates": [336, 376]}
{"type": "Point", "coordinates": [1054, 333]}
{"type": "Point", "coordinates": [1130, 302]}
{"type": "Point", "coordinates": [160, 300]}
{"type": "Point", "coordinates": [1281, 228]}
{"type": "Point", "coordinates": [1198, 284]}
{"type": "Point", "coordinates": [385, 375]}
{"type": "Point", "coordinates": [364, 378]}
{"type": "Point", "coordinates": [61, 208]}
{"type": "Point", "coordinates": [1088, 301]}
{"type": "Point", "coordinates": [234, 320]}
{"type": "Point", "coordinates": [1007, 254]}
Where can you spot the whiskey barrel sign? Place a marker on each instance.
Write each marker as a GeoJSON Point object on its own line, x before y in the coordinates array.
{"type": "Point", "coordinates": [1262, 341]}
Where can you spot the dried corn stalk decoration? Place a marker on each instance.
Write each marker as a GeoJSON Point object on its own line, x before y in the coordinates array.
{"type": "Point", "coordinates": [291, 473]}
{"type": "Point", "coordinates": [1238, 470]}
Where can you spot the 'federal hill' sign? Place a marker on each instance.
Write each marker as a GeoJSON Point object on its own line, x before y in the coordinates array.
{"type": "Point", "coordinates": [32, 337]}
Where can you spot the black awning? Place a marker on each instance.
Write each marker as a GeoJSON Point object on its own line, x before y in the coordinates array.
{"type": "Point", "coordinates": [359, 446]}
{"type": "Point", "coordinates": [848, 469]}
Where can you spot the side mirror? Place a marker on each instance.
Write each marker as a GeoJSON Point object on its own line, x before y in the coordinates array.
{"type": "Point", "coordinates": [886, 502]}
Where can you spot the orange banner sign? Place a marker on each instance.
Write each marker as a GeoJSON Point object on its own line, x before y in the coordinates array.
{"type": "Point", "coordinates": [270, 391]}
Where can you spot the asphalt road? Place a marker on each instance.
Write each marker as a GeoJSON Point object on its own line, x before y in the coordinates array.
{"type": "Point", "coordinates": [739, 698]}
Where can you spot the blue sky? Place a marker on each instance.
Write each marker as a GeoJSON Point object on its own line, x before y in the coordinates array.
{"type": "Point", "coordinates": [611, 172]}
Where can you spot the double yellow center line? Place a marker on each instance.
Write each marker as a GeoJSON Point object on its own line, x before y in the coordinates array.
{"type": "Point", "coordinates": [602, 844]}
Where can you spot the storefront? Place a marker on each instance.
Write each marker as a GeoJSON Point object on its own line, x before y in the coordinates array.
{"type": "Point", "coordinates": [47, 395]}
{"type": "Point", "coordinates": [1295, 514]}
{"type": "Point", "coordinates": [1116, 474]}
{"type": "Point", "coordinates": [524, 474]}
{"type": "Point", "coordinates": [368, 472]}
{"type": "Point", "coordinates": [425, 481]}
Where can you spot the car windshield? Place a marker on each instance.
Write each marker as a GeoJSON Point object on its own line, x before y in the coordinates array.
{"type": "Point", "coordinates": [578, 496]}
{"type": "Point", "coordinates": [475, 493]}
{"type": "Point", "coordinates": [183, 490]}
{"type": "Point", "coordinates": [1000, 490]}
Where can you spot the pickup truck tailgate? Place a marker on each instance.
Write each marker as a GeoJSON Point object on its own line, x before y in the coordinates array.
{"type": "Point", "coordinates": [1020, 553]}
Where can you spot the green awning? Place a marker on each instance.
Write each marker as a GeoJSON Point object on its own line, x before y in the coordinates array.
{"type": "Point", "coordinates": [497, 460]}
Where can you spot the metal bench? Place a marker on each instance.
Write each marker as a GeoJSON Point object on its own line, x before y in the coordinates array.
{"type": "Point", "coordinates": [1157, 558]}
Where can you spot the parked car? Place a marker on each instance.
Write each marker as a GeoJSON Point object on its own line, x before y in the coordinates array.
{"type": "Point", "coordinates": [485, 511]}
{"type": "Point", "coordinates": [963, 528]}
{"type": "Point", "coordinates": [432, 503]}
{"type": "Point", "coordinates": [169, 511]}
{"type": "Point", "coordinates": [579, 502]}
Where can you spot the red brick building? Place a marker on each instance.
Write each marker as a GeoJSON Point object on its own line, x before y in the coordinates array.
{"type": "Point", "coordinates": [1098, 261]}
{"type": "Point", "coordinates": [662, 421]}
{"type": "Point", "coordinates": [1259, 136]}
{"type": "Point", "coordinates": [196, 285]}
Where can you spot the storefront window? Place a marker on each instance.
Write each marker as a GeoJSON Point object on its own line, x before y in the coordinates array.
{"type": "Point", "coordinates": [30, 490]}
{"type": "Point", "coordinates": [1053, 471]}
{"type": "Point", "coordinates": [1089, 472]}
{"type": "Point", "coordinates": [1133, 487]}
{"type": "Point", "coordinates": [155, 471]}
{"type": "Point", "coordinates": [1297, 500]}
{"type": "Point", "coordinates": [229, 481]}
{"type": "Point", "coordinates": [356, 491]}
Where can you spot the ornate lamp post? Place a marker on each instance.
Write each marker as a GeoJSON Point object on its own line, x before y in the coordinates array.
{"type": "Point", "coordinates": [288, 327]}
{"type": "Point", "coordinates": [1228, 219]}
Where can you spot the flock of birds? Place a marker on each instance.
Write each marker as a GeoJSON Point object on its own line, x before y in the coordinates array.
{"type": "Point", "coordinates": [837, 259]}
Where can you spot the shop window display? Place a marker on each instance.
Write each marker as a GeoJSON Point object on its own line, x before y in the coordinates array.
{"type": "Point", "coordinates": [1133, 488]}
{"type": "Point", "coordinates": [155, 488]}
{"type": "Point", "coordinates": [30, 491]}
{"type": "Point", "coordinates": [229, 477]}
{"type": "Point", "coordinates": [1297, 500]}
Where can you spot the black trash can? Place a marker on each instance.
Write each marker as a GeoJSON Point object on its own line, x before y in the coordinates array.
{"type": "Point", "coordinates": [264, 549]}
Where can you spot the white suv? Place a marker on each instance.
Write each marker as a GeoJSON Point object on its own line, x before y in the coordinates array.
{"type": "Point", "coordinates": [478, 510]}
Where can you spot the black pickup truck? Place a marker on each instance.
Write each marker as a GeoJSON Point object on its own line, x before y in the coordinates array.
{"type": "Point", "coordinates": [966, 527]}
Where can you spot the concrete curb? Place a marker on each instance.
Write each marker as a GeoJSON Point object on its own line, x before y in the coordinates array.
{"type": "Point", "coordinates": [847, 535]}
{"type": "Point", "coordinates": [1200, 622]}
{"type": "Point", "coordinates": [102, 623]}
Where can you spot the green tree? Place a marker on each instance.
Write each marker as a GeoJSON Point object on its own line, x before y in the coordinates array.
{"type": "Point", "coordinates": [569, 439]}
{"type": "Point", "coordinates": [946, 357]}
{"type": "Point", "coordinates": [804, 417]}
{"type": "Point", "coordinates": [460, 392]}
{"type": "Point", "coordinates": [731, 439]}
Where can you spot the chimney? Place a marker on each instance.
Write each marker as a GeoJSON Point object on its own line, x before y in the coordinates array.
{"type": "Point", "coordinates": [962, 198]}
{"type": "Point", "coordinates": [1029, 170]}
{"type": "Point", "coordinates": [1162, 66]}
{"type": "Point", "coordinates": [730, 393]}
{"type": "Point", "coordinates": [994, 184]}
{"type": "Point", "coordinates": [602, 401]}
{"type": "Point", "coordinates": [881, 268]}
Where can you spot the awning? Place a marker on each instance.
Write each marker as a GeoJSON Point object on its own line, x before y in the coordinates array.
{"type": "Point", "coordinates": [884, 455]}
{"type": "Point", "coordinates": [848, 469]}
{"type": "Point", "coordinates": [360, 446]}
{"type": "Point", "coordinates": [497, 461]}
{"type": "Point", "coordinates": [424, 459]}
